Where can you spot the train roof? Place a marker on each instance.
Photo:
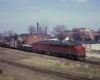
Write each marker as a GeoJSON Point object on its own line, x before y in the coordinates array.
{"type": "Point", "coordinates": [58, 42]}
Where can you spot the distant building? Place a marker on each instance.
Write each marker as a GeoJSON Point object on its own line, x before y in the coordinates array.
{"type": "Point", "coordinates": [30, 38]}
{"type": "Point", "coordinates": [97, 36]}
{"type": "Point", "coordinates": [2, 39]}
{"type": "Point", "coordinates": [68, 33]}
{"type": "Point", "coordinates": [86, 33]}
{"type": "Point", "coordinates": [80, 34]}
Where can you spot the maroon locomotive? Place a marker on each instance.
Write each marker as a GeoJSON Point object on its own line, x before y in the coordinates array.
{"type": "Point", "coordinates": [57, 48]}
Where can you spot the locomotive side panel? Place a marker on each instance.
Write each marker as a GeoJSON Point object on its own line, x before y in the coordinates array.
{"type": "Point", "coordinates": [41, 47]}
{"type": "Point", "coordinates": [58, 48]}
{"type": "Point", "coordinates": [63, 49]}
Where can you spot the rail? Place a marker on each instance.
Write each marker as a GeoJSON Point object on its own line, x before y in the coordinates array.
{"type": "Point", "coordinates": [68, 76]}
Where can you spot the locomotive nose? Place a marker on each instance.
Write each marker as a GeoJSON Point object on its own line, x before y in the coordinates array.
{"type": "Point", "coordinates": [81, 51]}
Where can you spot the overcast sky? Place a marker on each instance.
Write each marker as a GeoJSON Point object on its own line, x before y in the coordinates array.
{"type": "Point", "coordinates": [18, 15]}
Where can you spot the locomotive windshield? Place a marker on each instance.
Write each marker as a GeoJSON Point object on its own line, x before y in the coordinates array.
{"type": "Point", "coordinates": [78, 44]}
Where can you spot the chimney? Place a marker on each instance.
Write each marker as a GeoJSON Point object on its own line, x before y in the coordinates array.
{"type": "Point", "coordinates": [37, 26]}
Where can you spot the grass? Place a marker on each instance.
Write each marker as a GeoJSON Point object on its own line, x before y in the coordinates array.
{"type": "Point", "coordinates": [52, 63]}
{"type": "Point", "coordinates": [5, 77]}
{"type": "Point", "coordinates": [70, 68]}
{"type": "Point", "coordinates": [16, 73]}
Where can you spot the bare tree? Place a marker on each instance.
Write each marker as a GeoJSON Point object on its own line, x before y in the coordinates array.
{"type": "Point", "coordinates": [40, 29]}
{"type": "Point", "coordinates": [74, 29]}
{"type": "Point", "coordinates": [31, 29]}
{"type": "Point", "coordinates": [76, 36]}
{"type": "Point", "coordinates": [0, 35]}
{"type": "Point", "coordinates": [98, 30]}
{"type": "Point", "coordinates": [46, 29]}
{"type": "Point", "coordinates": [97, 37]}
{"type": "Point", "coordinates": [15, 36]}
{"type": "Point", "coordinates": [43, 30]}
{"type": "Point", "coordinates": [58, 29]}
{"type": "Point", "coordinates": [10, 35]}
{"type": "Point", "coordinates": [5, 34]}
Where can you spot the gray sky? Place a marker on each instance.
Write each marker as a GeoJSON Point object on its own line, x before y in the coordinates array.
{"type": "Point", "coordinates": [18, 15]}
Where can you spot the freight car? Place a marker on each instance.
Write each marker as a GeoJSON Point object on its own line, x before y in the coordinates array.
{"type": "Point", "coordinates": [67, 49]}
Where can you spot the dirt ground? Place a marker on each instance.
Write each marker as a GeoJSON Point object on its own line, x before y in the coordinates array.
{"type": "Point", "coordinates": [10, 72]}
{"type": "Point", "coordinates": [42, 61]}
{"type": "Point", "coordinates": [17, 73]}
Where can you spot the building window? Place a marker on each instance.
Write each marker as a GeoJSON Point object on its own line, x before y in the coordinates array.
{"type": "Point", "coordinates": [34, 37]}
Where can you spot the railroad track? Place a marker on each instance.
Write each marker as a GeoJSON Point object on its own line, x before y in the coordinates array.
{"type": "Point", "coordinates": [84, 61]}
{"type": "Point", "coordinates": [91, 62]}
{"type": "Point", "coordinates": [68, 76]}
{"type": "Point", "coordinates": [88, 62]}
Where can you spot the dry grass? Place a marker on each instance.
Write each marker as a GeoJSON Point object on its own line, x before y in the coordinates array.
{"type": "Point", "coordinates": [5, 77]}
{"type": "Point", "coordinates": [70, 68]}
{"type": "Point", "coordinates": [51, 63]}
{"type": "Point", "coordinates": [17, 73]}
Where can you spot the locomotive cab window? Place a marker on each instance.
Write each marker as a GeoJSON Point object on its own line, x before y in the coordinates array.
{"type": "Point", "coordinates": [78, 44]}
{"type": "Point", "coordinates": [66, 46]}
{"type": "Point", "coordinates": [72, 46]}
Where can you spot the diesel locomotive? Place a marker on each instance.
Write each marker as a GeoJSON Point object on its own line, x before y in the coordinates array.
{"type": "Point", "coordinates": [69, 49]}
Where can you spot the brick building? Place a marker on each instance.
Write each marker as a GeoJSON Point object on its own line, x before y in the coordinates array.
{"type": "Point", "coordinates": [30, 38]}
{"type": "Point", "coordinates": [68, 33]}
{"type": "Point", "coordinates": [82, 33]}
{"type": "Point", "coordinates": [86, 33]}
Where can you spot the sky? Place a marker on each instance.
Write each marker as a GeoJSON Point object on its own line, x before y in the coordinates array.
{"type": "Point", "coordinates": [18, 15]}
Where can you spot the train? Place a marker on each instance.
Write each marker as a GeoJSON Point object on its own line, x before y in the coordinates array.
{"type": "Point", "coordinates": [69, 49]}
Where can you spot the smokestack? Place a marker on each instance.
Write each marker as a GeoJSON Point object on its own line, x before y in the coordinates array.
{"type": "Point", "coordinates": [37, 26]}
